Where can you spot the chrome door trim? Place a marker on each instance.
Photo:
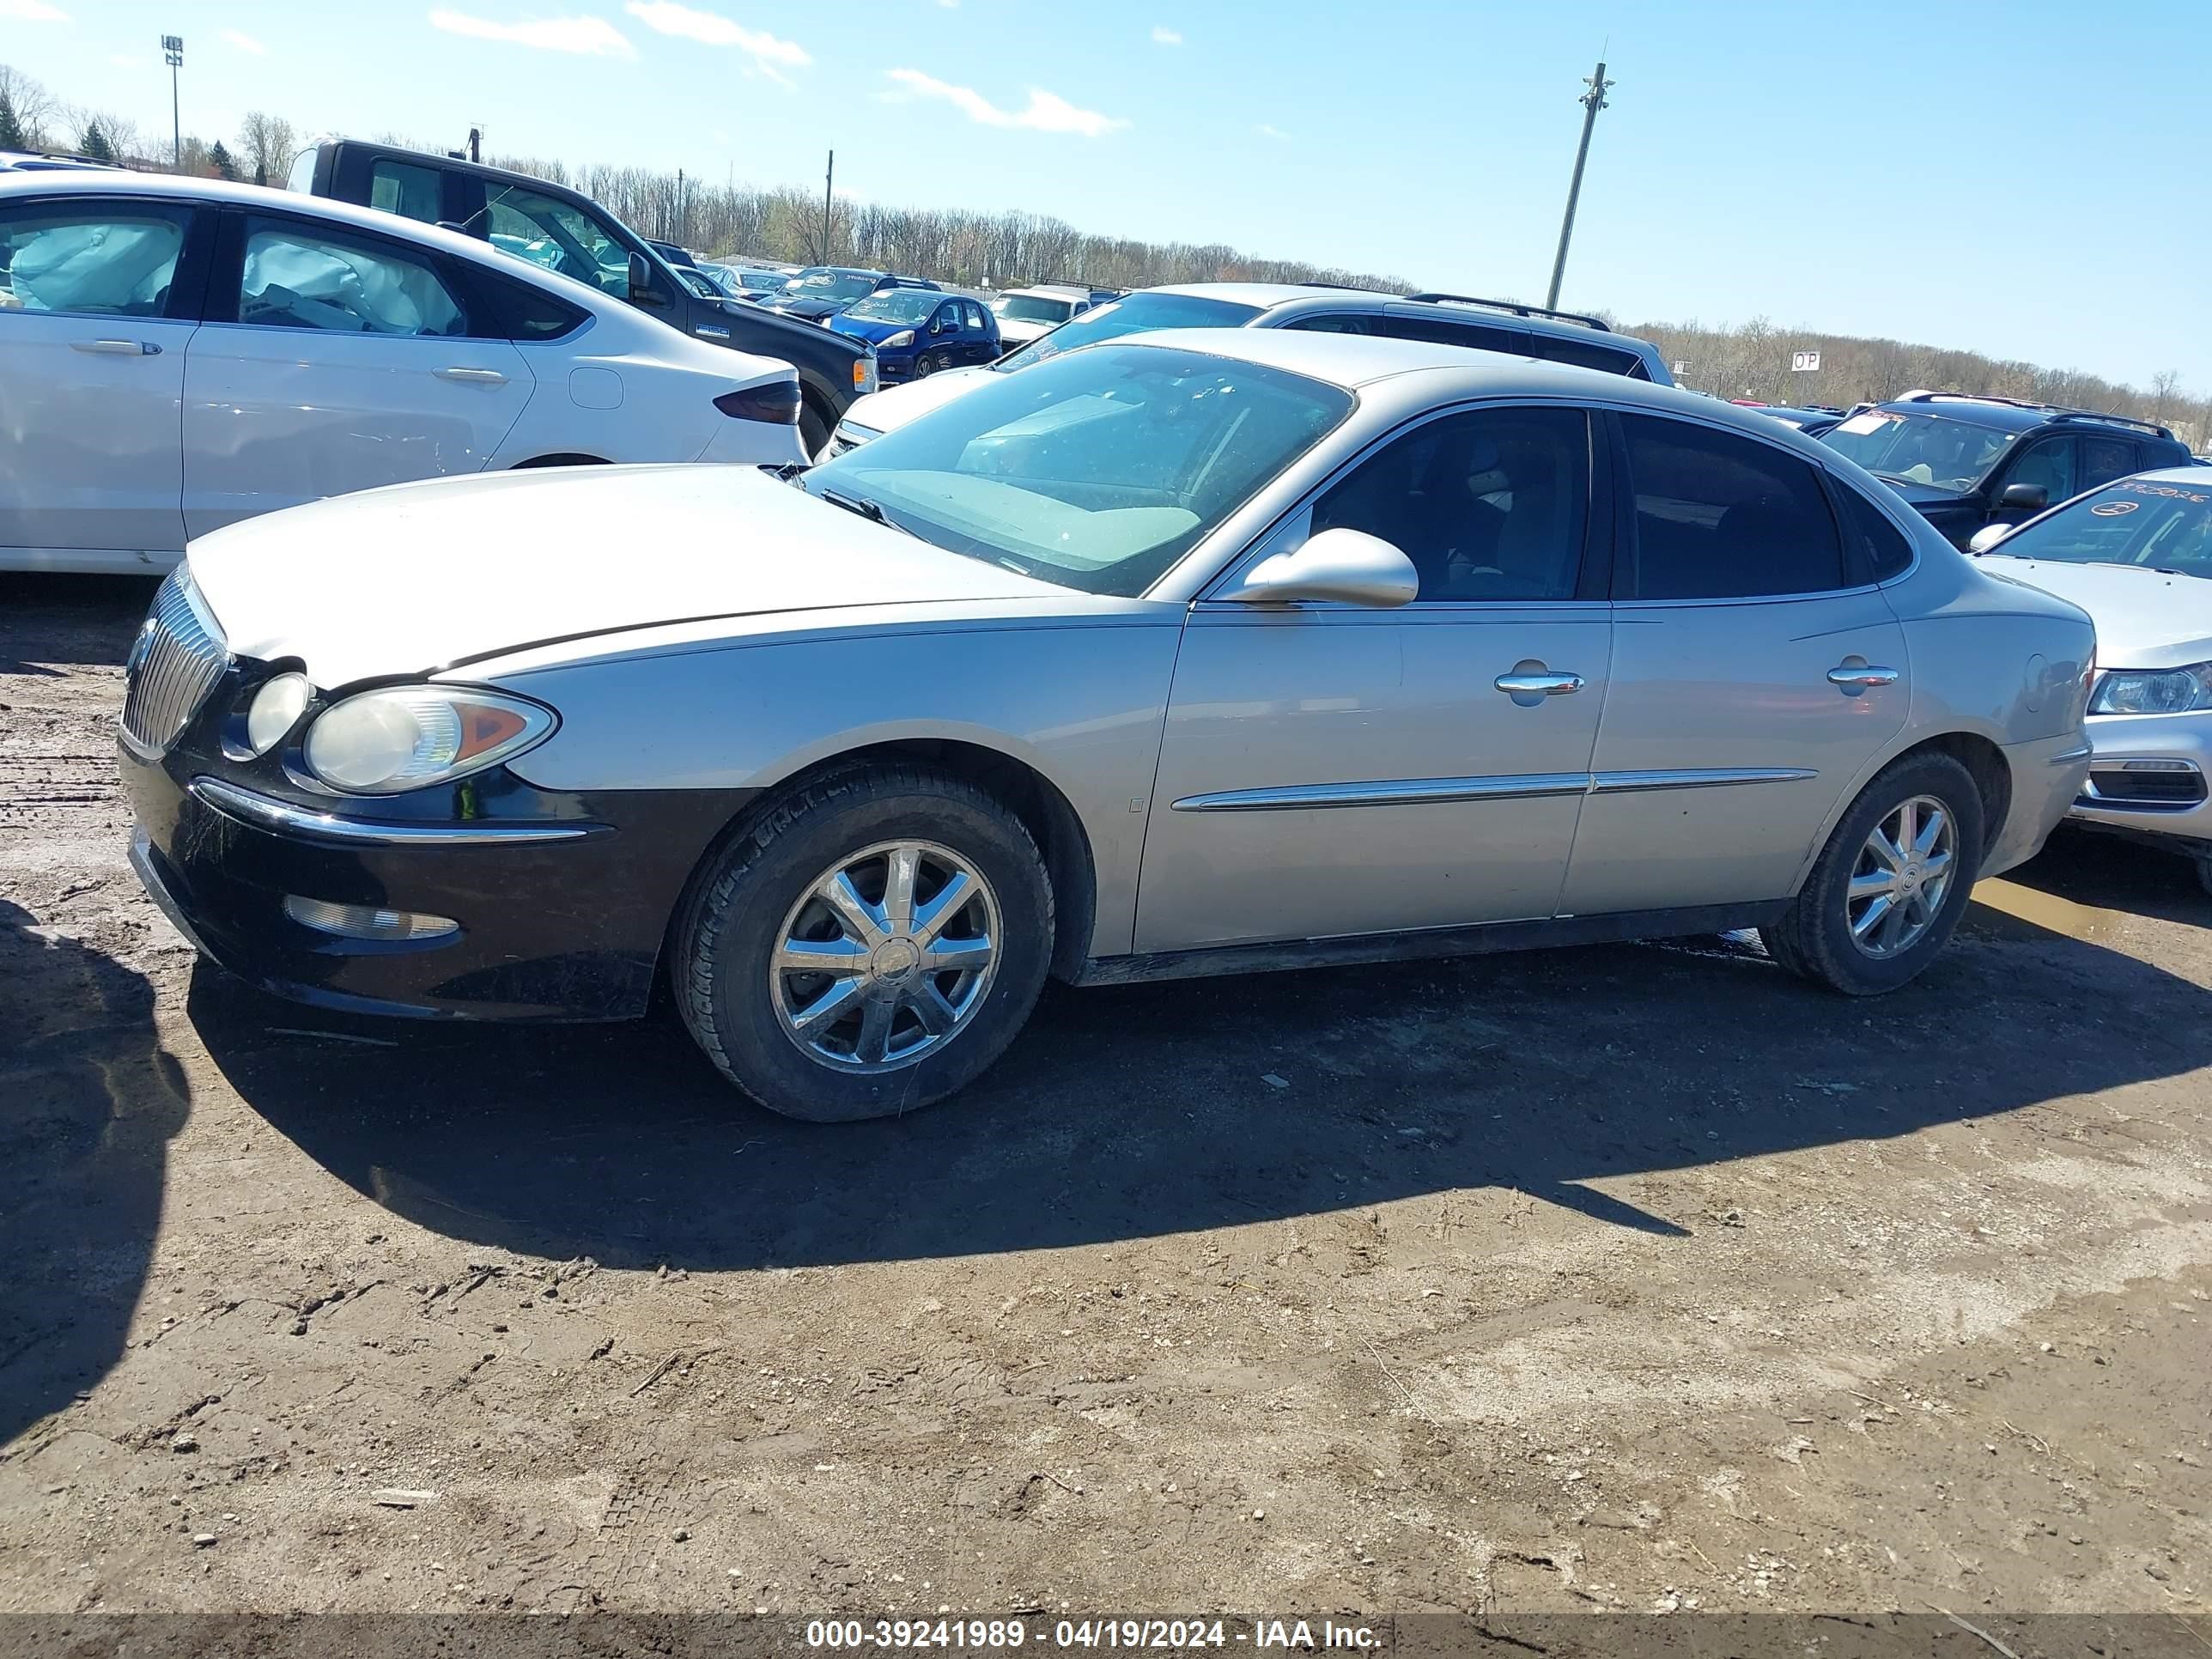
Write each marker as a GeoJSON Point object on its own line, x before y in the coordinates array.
{"type": "Point", "coordinates": [1428, 792]}
{"type": "Point", "coordinates": [1720, 777]}
{"type": "Point", "coordinates": [281, 817]}
{"type": "Point", "coordinates": [1400, 792]}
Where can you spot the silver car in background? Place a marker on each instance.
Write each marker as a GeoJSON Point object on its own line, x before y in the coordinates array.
{"type": "Point", "coordinates": [2136, 555]}
{"type": "Point", "coordinates": [1195, 653]}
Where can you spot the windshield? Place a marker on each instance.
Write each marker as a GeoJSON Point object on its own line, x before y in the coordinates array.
{"type": "Point", "coordinates": [1031, 308]}
{"type": "Point", "coordinates": [895, 305]}
{"type": "Point", "coordinates": [1923, 449]}
{"type": "Point", "coordinates": [1137, 314]}
{"type": "Point", "coordinates": [829, 286]}
{"type": "Point", "coordinates": [2137, 521]}
{"type": "Point", "coordinates": [1097, 471]}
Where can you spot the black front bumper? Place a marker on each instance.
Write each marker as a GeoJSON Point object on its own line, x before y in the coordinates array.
{"type": "Point", "coordinates": [569, 928]}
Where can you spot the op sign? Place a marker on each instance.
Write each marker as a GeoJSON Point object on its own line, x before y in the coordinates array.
{"type": "Point", "coordinates": [1805, 363]}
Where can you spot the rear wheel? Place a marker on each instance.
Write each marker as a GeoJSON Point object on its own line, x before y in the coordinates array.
{"type": "Point", "coordinates": [1890, 886]}
{"type": "Point", "coordinates": [929, 362]}
{"type": "Point", "coordinates": [869, 946]}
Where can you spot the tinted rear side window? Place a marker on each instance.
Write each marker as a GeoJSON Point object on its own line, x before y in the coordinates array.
{"type": "Point", "coordinates": [1878, 547]}
{"type": "Point", "coordinates": [1439, 331]}
{"type": "Point", "coordinates": [1720, 516]}
{"type": "Point", "coordinates": [508, 310]}
{"type": "Point", "coordinates": [1583, 354]}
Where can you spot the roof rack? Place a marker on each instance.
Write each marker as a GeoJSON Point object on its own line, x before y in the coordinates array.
{"type": "Point", "coordinates": [2151, 427]}
{"type": "Point", "coordinates": [2056, 411]}
{"type": "Point", "coordinates": [1516, 308]}
{"type": "Point", "coordinates": [1356, 287]}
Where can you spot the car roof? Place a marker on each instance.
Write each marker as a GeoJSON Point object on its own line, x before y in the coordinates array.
{"type": "Point", "coordinates": [2012, 414]}
{"type": "Point", "coordinates": [167, 186]}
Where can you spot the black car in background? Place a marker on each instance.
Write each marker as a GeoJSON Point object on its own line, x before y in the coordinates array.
{"type": "Point", "coordinates": [1963, 462]}
{"type": "Point", "coordinates": [820, 292]}
{"type": "Point", "coordinates": [567, 231]}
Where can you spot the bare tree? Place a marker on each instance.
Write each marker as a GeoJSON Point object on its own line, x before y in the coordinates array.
{"type": "Point", "coordinates": [32, 106]}
{"type": "Point", "coordinates": [268, 143]}
{"type": "Point", "coordinates": [2163, 386]}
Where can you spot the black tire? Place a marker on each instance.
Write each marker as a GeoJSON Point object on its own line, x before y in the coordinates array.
{"type": "Point", "coordinates": [1814, 938]}
{"type": "Point", "coordinates": [731, 920]}
{"type": "Point", "coordinates": [927, 364]}
{"type": "Point", "coordinates": [813, 428]}
{"type": "Point", "coordinates": [2203, 871]}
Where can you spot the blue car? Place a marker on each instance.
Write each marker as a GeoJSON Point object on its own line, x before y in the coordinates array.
{"type": "Point", "coordinates": [916, 332]}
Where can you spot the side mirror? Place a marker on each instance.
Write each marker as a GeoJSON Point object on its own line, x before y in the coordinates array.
{"type": "Point", "coordinates": [2025, 498]}
{"type": "Point", "coordinates": [1990, 534]}
{"type": "Point", "coordinates": [1348, 566]}
{"type": "Point", "coordinates": [641, 283]}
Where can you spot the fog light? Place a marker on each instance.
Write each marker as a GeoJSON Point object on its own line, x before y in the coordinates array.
{"type": "Point", "coordinates": [365, 921]}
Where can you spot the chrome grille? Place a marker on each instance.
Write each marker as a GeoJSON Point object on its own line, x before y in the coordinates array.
{"type": "Point", "coordinates": [175, 661]}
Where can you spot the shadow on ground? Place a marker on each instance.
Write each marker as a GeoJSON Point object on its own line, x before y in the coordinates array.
{"type": "Point", "coordinates": [69, 619]}
{"type": "Point", "coordinates": [1141, 1110]}
{"type": "Point", "coordinates": [93, 1101]}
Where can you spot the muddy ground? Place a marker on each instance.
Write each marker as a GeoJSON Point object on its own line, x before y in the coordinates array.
{"type": "Point", "coordinates": [1635, 1278]}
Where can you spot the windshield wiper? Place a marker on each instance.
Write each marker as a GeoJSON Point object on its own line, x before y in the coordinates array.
{"type": "Point", "coordinates": [865, 508]}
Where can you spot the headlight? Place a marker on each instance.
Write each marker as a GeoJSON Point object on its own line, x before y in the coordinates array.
{"type": "Point", "coordinates": [275, 707]}
{"type": "Point", "coordinates": [903, 337]}
{"type": "Point", "coordinates": [2153, 691]}
{"type": "Point", "coordinates": [405, 737]}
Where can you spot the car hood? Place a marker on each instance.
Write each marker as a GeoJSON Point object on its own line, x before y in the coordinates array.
{"type": "Point", "coordinates": [1930, 501]}
{"type": "Point", "coordinates": [812, 310]}
{"type": "Point", "coordinates": [418, 577]}
{"type": "Point", "coordinates": [1019, 332]}
{"type": "Point", "coordinates": [870, 328]}
{"type": "Point", "coordinates": [2145, 619]}
{"type": "Point", "coordinates": [893, 407]}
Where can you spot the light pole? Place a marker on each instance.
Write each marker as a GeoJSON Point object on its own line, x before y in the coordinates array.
{"type": "Point", "coordinates": [173, 52]}
{"type": "Point", "coordinates": [1592, 101]}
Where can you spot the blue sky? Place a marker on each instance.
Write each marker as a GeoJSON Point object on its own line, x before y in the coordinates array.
{"type": "Point", "coordinates": [1960, 173]}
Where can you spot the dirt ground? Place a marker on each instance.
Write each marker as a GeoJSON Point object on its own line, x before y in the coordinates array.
{"type": "Point", "coordinates": [1638, 1278]}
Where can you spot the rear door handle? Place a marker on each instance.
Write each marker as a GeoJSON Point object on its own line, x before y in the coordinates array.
{"type": "Point", "coordinates": [1531, 684]}
{"type": "Point", "coordinates": [1857, 675]}
{"type": "Point", "coordinates": [473, 376]}
{"type": "Point", "coordinates": [117, 348]}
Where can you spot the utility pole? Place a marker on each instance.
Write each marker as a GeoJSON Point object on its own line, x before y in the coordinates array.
{"type": "Point", "coordinates": [828, 181]}
{"type": "Point", "coordinates": [1592, 101]}
{"type": "Point", "coordinates": [476, 143]}
{"type": "Point", "coordinates": [681, 238]}
{"type": "Point", "coordinates": [172, 53]}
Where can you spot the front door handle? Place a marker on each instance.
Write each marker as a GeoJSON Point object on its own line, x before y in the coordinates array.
{"type": "Point", "coordinates": [1857, 675]}
{"type": "Point", "coordinates": [117, 348]}
{"type": "Point", "coordinates": [473, 376]}
{"type": "Point", "coordinates": [1530, 682]}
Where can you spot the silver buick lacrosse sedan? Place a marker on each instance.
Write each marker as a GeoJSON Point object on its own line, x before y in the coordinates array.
{"type": "Point", "coordinates": [1193, 652]}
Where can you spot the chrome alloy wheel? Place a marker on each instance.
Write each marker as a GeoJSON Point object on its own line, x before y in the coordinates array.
{"type": "Point", "coordinates": [1901, 877]}
{"type": "Point", "coordinates": [886, 956]}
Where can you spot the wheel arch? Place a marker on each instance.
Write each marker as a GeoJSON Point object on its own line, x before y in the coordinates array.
{"type": "Point", "coordinates": [1043, 807]}
{"type": "Point", "coordinates": [1980, 754]}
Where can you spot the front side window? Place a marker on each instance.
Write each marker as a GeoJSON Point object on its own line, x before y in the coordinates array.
{"type": "Point", "coordinates": [1139, 314]}
{"type": "Point", "coordinates": [108, 259]}
{"type": "Point", "coordinates": [974, 314]}
{"type": "Point", "coordinates": [295, 277]}
{"type": "Point", "coordinates": [2138, 522]}
{"type": "Point", "coordinates": [1938, 451]}
{"type": "Point", "coordinates": [1096, 472]}
{"type": "Point", "coordinates": [2048, 462]}
{"type": "Point", "coordinates": [1720, 516]}
{"type": "Point", "coordinates": [1490, 506]}
{"type": "Point", "coordinates": [412, 192]}
{"type": "Point", "coordinates": [558, 235]}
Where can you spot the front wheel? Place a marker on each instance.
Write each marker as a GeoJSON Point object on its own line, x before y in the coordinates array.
{"type": "Point", "coordinates": [1890, 886]}
{"type": "Point", "coordinates": [869, 946]}
{"type": "Point", "coordinates": [927, 364]}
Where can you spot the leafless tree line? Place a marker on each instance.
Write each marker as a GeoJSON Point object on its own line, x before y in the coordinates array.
{"type": "Point", "coordinates": [1752, 360]}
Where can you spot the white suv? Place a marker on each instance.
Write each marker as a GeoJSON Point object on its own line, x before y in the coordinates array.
{"type": "Point", "coordinates": [1503, 325]}
{"type": "Point", "coordinates": [178, 353]}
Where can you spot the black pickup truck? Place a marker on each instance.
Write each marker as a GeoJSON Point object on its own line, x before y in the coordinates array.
{"type": "Point", "coordinates": [567, 231]}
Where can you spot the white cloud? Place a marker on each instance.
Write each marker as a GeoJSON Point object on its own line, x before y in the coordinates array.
{"type": "Point", "coordinates": [31, 11]}
{"type": "Point", "coordinates": [1045, 113]}
{"type": "Point", "coordinates": [1165, 36]}
{"type": "Point", "coordinates": [712, 29]}
{"type": "Point", "coordinates": [1276, 133]}
{"type": "Point", "coordinates": [591, 37]}
{"type": "Point", "coordinates": [245, 42]}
